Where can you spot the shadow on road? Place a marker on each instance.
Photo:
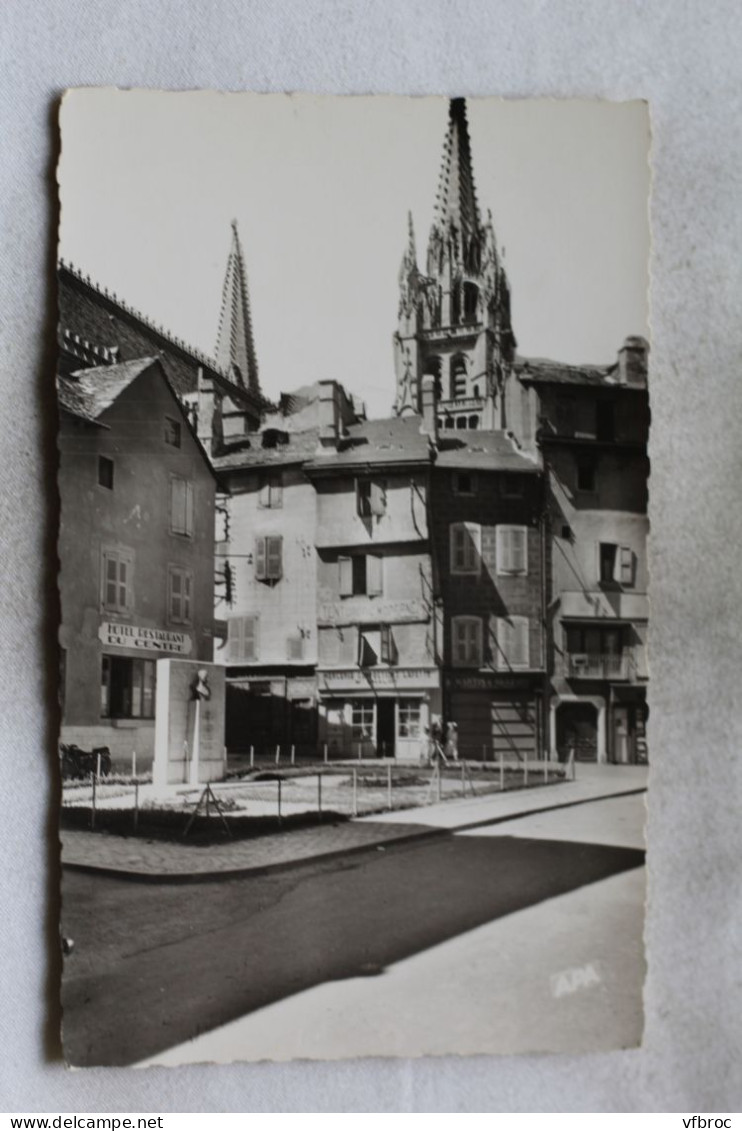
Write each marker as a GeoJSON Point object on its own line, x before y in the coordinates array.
{"type": "Point", "coordinates": [157, 965]}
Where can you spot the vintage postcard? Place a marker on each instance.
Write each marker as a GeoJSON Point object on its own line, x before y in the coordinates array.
{"type": "Point", "coordinates": [353, 422]}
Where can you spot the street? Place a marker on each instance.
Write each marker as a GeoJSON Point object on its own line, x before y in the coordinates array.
{"type": "Point", "coordinates": [525, 935]}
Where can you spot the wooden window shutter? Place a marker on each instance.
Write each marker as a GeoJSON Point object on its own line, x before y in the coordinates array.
{"type": "Point", "coordinates": [503, 554]}
{"type": "Point", "coordinates": [520, 642]}
{"type": "Point", "coordinates": [124, 598]}
{"type": "Point", "coordinates": [489, 549]}
{"type": "Point", "coordinates": [378, 498]}
{"type": "Point", "coordinates": [274, 558]}
{"type": "Point", "coordinates": [625, 563]}
{"type": "Point", "coordinates": [188, 507]}
{"type": "Point", "coordinates": [349, 645]}
{"type": "Point", "coordinates": [504, 643]}
{"type": "Point", "coordinates": [235, 638]}
{"type": "Point", "coordinates": [345, 570]}
{"type": "Point", "coordinates": [388, 647]}
{"type": "Point", "coordinates": [261, 568]}
{"type": "Point", "coordinates": [176, 595]}
{"type": "Point", "coordinates": [264, 497]}
{"type": "Point", "coordinates": [249, 643]}
{"type": "Point", "coordinates": [186, 596]}
{"type": "Point", "coordinates": [374, 575]}
{"type": "Point", "coordinates": [277, 492]}
{"type": "Point", "coordinates": [519, 549]}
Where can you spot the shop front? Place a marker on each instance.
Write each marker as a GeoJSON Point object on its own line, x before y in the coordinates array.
{"type": "Point", "coordinates": [497, 716]}
{"type": "Point", "coordinates": [377, 713]}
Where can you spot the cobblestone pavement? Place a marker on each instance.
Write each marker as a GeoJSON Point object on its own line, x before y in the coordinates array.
{"type": "Point", "coordinates": [153, 858]}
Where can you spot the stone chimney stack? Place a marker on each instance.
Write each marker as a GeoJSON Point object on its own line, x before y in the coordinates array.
{"type": "Point", "coordinates": [329, 416]}
{"type": "Point", "coordinates": [429, 423]}
{"type": "Point", "coordinates": [632, 362]}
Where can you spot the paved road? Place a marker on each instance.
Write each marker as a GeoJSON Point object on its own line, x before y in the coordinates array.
{"type": "Point", "coordinates": [156, 965]}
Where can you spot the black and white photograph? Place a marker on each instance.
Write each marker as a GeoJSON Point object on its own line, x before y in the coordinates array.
{"type": "Point", "coordinates": [353, 653]}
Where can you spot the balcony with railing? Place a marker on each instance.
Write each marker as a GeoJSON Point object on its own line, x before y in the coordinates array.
{"type": "Point", "coordinates": [598, 665]}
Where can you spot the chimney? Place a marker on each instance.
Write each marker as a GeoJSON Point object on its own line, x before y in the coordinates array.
{"type": "Point", "coordinates": [208, 413]}
{"type": "Point", "coordinates": [429, 424]}
{"type": "Point", "coordinates": [329, 415]}
{"type": "Point", "coordinates": [632, 361]}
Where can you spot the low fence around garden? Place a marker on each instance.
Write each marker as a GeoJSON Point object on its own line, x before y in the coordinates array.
{"type": "Point", "coordinates": [273, 797]}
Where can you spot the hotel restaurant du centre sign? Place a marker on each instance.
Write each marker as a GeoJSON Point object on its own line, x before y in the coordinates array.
{"type": "Point", "coordinates": [114, 635]}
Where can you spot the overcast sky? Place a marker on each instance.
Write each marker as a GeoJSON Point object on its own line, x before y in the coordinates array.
{"type": "Point", "coordinates": [320, 188]}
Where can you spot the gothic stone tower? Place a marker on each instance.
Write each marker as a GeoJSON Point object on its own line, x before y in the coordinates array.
{"type": "Point", "coordinates": [454, 318]}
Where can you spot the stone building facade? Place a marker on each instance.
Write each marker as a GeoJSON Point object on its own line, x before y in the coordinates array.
{"type": "Point", "coordinates": [136, 547]}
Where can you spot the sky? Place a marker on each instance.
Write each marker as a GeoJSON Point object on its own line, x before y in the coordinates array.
{"type": "Point", "coordinates": [321, 186]}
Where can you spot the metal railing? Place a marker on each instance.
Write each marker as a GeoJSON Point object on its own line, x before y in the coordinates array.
{"type": "Point", "coordinates": [597, 665]}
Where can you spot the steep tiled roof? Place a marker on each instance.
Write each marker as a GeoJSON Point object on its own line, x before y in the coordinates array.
{"type": "Point", "coordinates": [395, 439]}
{"type": "Point", "coordinates": [543, 371]}
{"type": "Point", "coordinates": [484, 451]}
{"type": "Point", "coordinates": [88, 393]}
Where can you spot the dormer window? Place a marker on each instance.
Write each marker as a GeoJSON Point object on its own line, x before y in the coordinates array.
{"type": "Point", "coordinates": [172, 432]}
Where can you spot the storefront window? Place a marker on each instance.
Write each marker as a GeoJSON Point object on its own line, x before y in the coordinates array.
{"type": "Point", "coordinates": [409, 718]}
{"type": "Point", "coordinates": [127, 688]}
{"type": "Point", "coordinates": [362, 721]}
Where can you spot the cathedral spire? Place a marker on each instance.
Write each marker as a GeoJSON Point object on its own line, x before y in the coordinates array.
{"type": "Point", "coordinates": [456, 202]}
{"type": "Point", "coordinates": [235, 348]}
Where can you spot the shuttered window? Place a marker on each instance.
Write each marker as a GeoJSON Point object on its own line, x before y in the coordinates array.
{"type": "Point", "coordinates": [181, 507]}
{"type": "Point", "coordinates": [511, 650]}
{"type": "Point", "coordinates": [117, 594]}
{"type": "Point", "coordinates": [362, 574]}
{"type": "Point", "coordinates": [512, 550]}
{"type": "Point", "coordinates": [370, 497]}
{"type": "Point", "coordinates": [465, 547]}
{"type": "Point", "coordinates": [295, 648]}
{"type": "Point", "coordinates": [180, 587]}
{"type": "Point", "coordinates": [269, 558]}
{"type": "Point", "coordinates": [466, 641]}
{"type": "Point", "coordinates": [271, 490]}
{"type": "Point", "coordinates": [489, 549]}
{"type": "Point", "coordinates": [242, 639]}
{"type": "Point", "coordinates": [625, 565]}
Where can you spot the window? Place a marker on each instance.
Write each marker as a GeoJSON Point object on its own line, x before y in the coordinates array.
{"type": "Point", "coordinates": [586, 474]}
{"type": "Point", "coordinates": [172, 432]}
{"type": "Point", "coordinates": [616, 564]}
{"type": "Point", "coordinates": [117, 568]}
{"type": "Point", "coordinates": [376, 646]}
{"type": "Point", "coordinates": [105, 472]}
{"type": "Point", "coordinates": [409, 717]}
{"type": "Point", "coordinates": [473, 423]}
{"type": "Point", "coordinates": [466, 542]}
{"type": "Point", "coordinates": [464, 483]}
{"type": "Point", "coordinates": [458, 376]}
{"type": "Point", "coordinates": [270, 491]}
{"type": "Point", "coordinates": [512, 550]}
{"type": "Point", "coordinates": [303, 717]}
{"type": "Point", "coordinates": [512, 643]}
{"type": "Point", "coordinates": [181, 507]}
{"type": "Point", "coordinates": [127, 688]}
{"type": "Point", "coordinates": [362, 720]}
{"type": "Point", "coordinates": [242, 639]}
{"type": "Point", "coordinates": [269, 558]}
{"type": "Point", "coordinates": [467, 642]}
{"type": "Point", "coordinates": [370, 497]}
{"type": "Point", "coordinates": [180, 592]}
{"type": "Point", "coordinates": [361, 574]}
{"type": "Point", "coordinates": [295, 648]}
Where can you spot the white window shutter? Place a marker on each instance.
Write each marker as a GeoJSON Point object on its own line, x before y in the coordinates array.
{"type": "Point", "coordinates": [249, 649]}
{"type": "Point", "coordinates": [345, 579]}
{"type": "Point", "coordinates": [264, 497]}
{"type": "Point", "coordinates": [277, 492]}
{"type": "Point", "coordinates": [188, 507]}
{"type": "Point", "coordinates": [520, 642]}
{"type": "Point", "coordinates": [374, 575]}
{"type": "Point", "coordinates": [489, 549]}
{"type": "Point", "coordinates": [378, 499]}
{"type": "Point", "coordinates": [186, 596]}
{"type": "Point", "coordinates": [503, 553]}
{"type": "Point", "coordinates": [625, 566]}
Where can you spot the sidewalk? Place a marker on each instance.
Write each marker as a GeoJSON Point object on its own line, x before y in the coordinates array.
{"type": "Point", "coordinates": [137, 858]}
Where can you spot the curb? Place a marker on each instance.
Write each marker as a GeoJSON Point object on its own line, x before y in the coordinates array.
{"type": "Point", "coordinates": [425, 833]}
